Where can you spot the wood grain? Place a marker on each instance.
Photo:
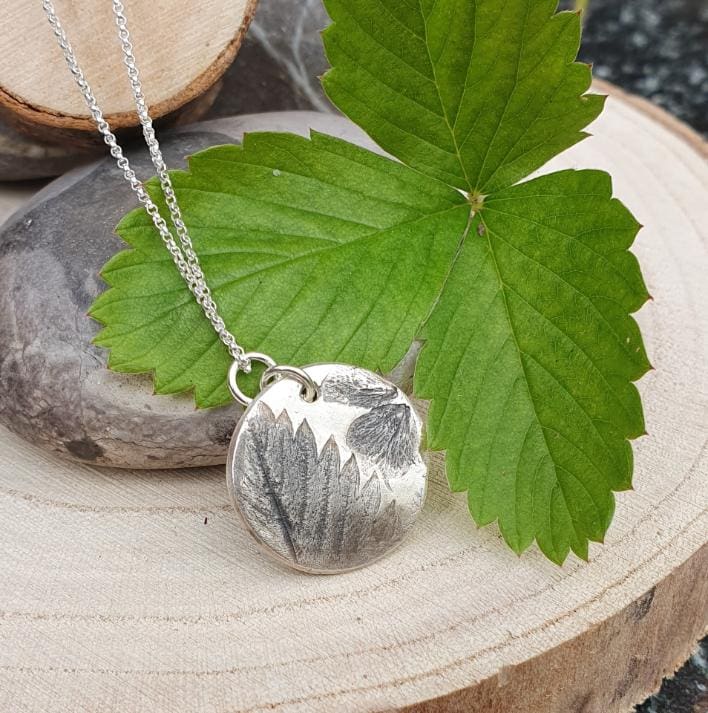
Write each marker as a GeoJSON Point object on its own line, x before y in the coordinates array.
{"type": "Point", "coordinates": [133, 591]}
{"type": "Point", "coordinates": [182, 49]}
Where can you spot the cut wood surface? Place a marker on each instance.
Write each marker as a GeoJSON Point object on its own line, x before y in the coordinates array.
{"type": "Point", "coordinates": [182, 48]}
{"type": "Point", "coordinates": [131, 591]}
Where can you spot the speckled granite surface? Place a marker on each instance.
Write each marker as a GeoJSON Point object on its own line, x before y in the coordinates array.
{"type": "Point", "coordinates": [687, 692]}
{"type": "Point", "coordinates": [655, 48]}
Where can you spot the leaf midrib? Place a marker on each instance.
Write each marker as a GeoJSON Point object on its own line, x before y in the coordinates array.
{"type": "Point", "coordinates": [327, 184]}
{"type": "Point", "coordinates": [518, 351]}
{"type": "Point", "coordinates": [384, 234]}
{"type": "Point", "coordinates": [507, 102]}
{"type": "Point", "coordinates": [445, 117]}
{"type": "Point", "coordinates": [381, 234]}
{"type": "Point", "coordinates": [504, 286]}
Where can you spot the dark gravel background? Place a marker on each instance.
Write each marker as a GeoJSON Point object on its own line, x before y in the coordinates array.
{"type": "Point", "coordinates": [655, 48]}
{"type": "Point", "coordinates": [687, 692]}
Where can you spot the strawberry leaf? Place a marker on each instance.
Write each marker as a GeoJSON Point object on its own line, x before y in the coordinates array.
{"type": "Point", "coordinates": [529, 359]}
{"type": "Point", "coordinates": [301, 242]}
{"type": "Point", "coordinates": [522, 293]}
{"type": "Point", "coordinates": [477, 93]}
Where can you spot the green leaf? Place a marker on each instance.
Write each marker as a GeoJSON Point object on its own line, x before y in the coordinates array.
{"type": "Point", "coordinates": [477, 93]}
{"type": "Point", "coordinates": [522, 293]}
{"type": "Point", "coordinates": [529, 359]}
{"type": "Point", "coordinates": [301, 242]}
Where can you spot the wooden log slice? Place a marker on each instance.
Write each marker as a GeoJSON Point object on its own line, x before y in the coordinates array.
{"type": "Point", "coordinates": [132, 591]}
{"type": "Point", "coordinates": [182, 47]}
{"type": "Point", "coordinates": [277, 69]}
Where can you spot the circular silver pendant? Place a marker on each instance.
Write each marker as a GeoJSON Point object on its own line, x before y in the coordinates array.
{"type": "Point", "coordinates": [333, 484]}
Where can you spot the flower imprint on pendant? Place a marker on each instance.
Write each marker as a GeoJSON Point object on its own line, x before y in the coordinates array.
{"type": "Point", "coordinates": [331, 485]}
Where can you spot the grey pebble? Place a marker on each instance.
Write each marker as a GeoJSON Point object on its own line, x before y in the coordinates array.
{"type": "Point", "coordinates": [55, 389]}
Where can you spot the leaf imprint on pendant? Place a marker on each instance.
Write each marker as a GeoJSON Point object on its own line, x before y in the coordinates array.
{"type": "Point", "coordinates": [331, 485]}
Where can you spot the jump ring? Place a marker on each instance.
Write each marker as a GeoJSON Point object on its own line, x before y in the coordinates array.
{"type": "Point", "coordinates": [310, 390]}
{"type": "Point", "coordinates": [238, 365]}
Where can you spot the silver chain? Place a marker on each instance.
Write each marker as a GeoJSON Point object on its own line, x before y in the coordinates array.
{"type": "Point", "coordinates": [183, 254]}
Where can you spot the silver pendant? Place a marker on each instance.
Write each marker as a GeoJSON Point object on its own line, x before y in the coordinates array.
{"type": "Point", "coordinates": [325, 467]}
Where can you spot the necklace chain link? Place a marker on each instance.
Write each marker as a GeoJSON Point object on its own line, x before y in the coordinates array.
{"type": "Point", "coordinates": [183, 253]}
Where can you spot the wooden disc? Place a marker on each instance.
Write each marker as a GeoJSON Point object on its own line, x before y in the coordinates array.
{"type": "Point", "coordinates": [182, 48]}
{"type": "Point", "coordinates": [135, 591]}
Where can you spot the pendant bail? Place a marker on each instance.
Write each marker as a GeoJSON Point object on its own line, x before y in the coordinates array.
{"type": "Point", "coordinates": [243, 365]}
{"type": "Point", "coordinates": [274, 372]}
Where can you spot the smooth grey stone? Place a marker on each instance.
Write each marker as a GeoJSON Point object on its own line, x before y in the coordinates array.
{"type": "Point", "coordinates": [24, 158]}
{"type": "Point", "coordinates": [55, 390]}
{"type": "Point", "coordinates": [277, 69]}
{"type": "Point", "coordinates": [280, 62]}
